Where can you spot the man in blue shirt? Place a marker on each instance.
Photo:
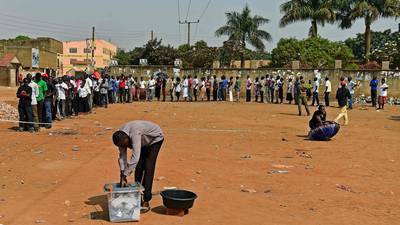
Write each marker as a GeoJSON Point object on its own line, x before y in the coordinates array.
{"type": "Point", "coordinates": [374, 89]}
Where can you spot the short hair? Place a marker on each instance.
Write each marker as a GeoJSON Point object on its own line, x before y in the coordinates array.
{"type": "Point", "coordinates": [119, 137]}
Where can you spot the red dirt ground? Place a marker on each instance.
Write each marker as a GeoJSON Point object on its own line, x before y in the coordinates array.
{"type": "Point", "coordinates": [43, 180]}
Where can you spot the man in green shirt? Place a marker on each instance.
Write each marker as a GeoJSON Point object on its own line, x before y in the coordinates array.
{"type": "Point", "coordinates": [40, 99]}
{"type": "Point", "coordinates": [301, 91]}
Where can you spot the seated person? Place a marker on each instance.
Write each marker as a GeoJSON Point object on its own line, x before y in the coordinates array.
{"type": "Point", "coordinates": [319, 118]}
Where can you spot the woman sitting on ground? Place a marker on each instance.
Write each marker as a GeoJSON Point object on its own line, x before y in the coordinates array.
{"type": "Point", "coordinates": [318, 118]}
{"type": "Point", "coordinates": [322, 130]}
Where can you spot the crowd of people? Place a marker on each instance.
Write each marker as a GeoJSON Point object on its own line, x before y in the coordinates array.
{"type": "Point", "coordinates": [43, 99]}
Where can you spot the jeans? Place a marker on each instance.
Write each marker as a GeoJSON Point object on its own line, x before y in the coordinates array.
{"type": "Point", "coordinates": [351, 101]}
{"type": "Point", "coordinates": [315, 98]}
{"type": "Point", "coordinates": [195, 94]}
{"type": "Point", "coordinates": [144, 172]}
{"type": "Point", "coordinates": [47, 116]}
{"type": "Point", "coordinates": [40, 109]}
{"type": "Point", "coordinates": [61, 109]}
{"type": "Point", "coordinates": [104, 100]}
{"type": "Point", "coordinates": [373, 96]}
{"type": "Point", "coordinates": [25, 115]}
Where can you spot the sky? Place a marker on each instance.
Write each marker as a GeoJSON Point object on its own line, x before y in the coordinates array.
{"type": "Point", "coordinates": [128, 23]}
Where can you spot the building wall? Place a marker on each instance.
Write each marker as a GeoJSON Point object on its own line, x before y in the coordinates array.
{"type": "Point", "coordinates": [49, 49]}
{"type": "Point", "coordinates": [250, 64]}
{"type": "Point", "coordinates": [103, 54]}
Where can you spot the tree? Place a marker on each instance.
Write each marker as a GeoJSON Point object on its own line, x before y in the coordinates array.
{"type": "Point", "coordinates": [348, 11]}
{"type": "Point", "coordinates": [318, 11]}
{"type": "Point", "coordinates": [244, 28]}
{"type": "Point", "coordinates": [122, 57]}
{"type": "Point", "coordinates": [200, 55]}
{"type": "Point", "coordinates": [22, 38]}
{"type": "Point", "coordinates": [314, 52]}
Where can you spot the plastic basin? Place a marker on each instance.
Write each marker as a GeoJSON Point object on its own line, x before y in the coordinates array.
{"type": "Point", "coordinates": [178, 199]}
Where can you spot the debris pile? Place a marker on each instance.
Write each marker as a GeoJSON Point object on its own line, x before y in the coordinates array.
{"type": "Point", "coordinates": [8, 112]}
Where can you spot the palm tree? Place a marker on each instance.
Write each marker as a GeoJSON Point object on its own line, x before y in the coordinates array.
{"type": "Point", "coordinates": [348, 11]}
{"type": "Point", "coordinates": [318, 11]}
{"type": "Point", "coordinates": [242, 28]}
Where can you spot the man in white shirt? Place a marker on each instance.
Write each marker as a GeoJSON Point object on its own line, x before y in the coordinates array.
{"type": "Point", "coordinates": [315, 92]}
{"type": "Point", "coordinates": [328, 90]}
{"type": "Point", "coordinates": [62, 87]}
{"type": "Point", "coordinates": [89, 86]}
{"type": "Point", "coordinates": [383, 93]}
{"type": "Point", "coordinates": [152, 87]}
{"type": "Point", "coordinates": [35, 94]}
{"type": "Point", "coordinates": [195, 87]}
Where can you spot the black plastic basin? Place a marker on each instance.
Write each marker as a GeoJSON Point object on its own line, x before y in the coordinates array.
{"type": "Point", "coordinates": [178, 199]}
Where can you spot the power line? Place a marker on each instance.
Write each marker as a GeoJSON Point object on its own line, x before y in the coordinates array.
{"type": "Point", "coordinates": [205, 9]}
{"type": "Point", "coordinates": [187, 13]}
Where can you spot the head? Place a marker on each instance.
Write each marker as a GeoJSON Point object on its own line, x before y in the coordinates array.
{"type": "Point", "coordinates": [121, 139]}
{"type": "Point", "coordinates": [223, 77]}
{"type": "Point", "coordinates": [29, 76]}
{"type": "Point", "coordinates": [230, 78]}
{"type": "Point", "coordinates": [215, 77]}
{"type": "Point", "coordinates": [375, 77]}
{"type": "Point", "coordinates": [26, 81]}
{"type": "Point", "coordinates": [237, 78]}
{"type": "Point", "coordinates": [38, 76]}
{"type": "Point", "coordinates": [262, 78]}
{"type": "Point", "coordinates": [322, 108]}
{"type": "Point", "coordinates": [383, 80]}
{"type": "Point", "coordinates": [315, 79]}
{"type": "Point", "coordinates": [326, 78]}
{"type": "Point", "coordinates": [256, 79]}
{"type": "Point", "coordinates": [301, 77]}
{"type": "Point", "coordinates": [341, 79]}
{"type": "Point", "coordinates": [248, 77]}
{"type": "Point", "coordinates": [349, 79]}
{"type": "Point", "coordinates": [195, 77]}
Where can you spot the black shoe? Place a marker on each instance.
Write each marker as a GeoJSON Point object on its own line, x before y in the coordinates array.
{"type": "Point", "coordinates": [145, 207]}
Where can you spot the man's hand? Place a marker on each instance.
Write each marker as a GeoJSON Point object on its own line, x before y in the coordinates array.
{"type": "Point", "coordinates": [123, 181]}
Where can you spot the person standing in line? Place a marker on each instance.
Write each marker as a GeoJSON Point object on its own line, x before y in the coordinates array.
{"type": "Point", "coordinates": [164, 87]}
{"type": "Point", "coordinates": [89, 87]}
{"type": "Point", "coordinates": [171, 84]}
{"type": "Point", "coordinates": [24, 94]}
{"type": "Point", "coordinates": [158, 88]}
{"type": "Point", "coordinates": [69, 96]}
{"type": "Point", "coordinates": [110, 92]}
{"type": "Point", "coordinates": [178, 88]}
{"type": "Point", "coordinates": [256, 89]}
{"type": "Point", "coordinates": [40, 99]}
{"type": "Point", "coordinates": [276, 89]}
{"type": "Point", "coordinates": [230, 89]}
{"type": "Point", "coordinates": [224, 87]}
{"type": "Point", "coordinates": [280, 90]}
{"type": "Point", "coordinates": [272, 88]}
{"type": "Point", "coordinates": [262, 85]}
{"type": "Point", "coordinates": [343, 95]}
{"type": "Point", "coordinates": [190, 88]}
{"type": "Point", "coordinates": [208, 88]}
{"type": "Point", "coordinates": [301, 90]}
{"type": "Point", "coordinates": [383, 93]}
{"type": "Point", "coordinates": [48, 101]}
{"type": "Point", "coordinates": [374, 90]}
{"type": "Point", "coordinates": [215, 88]}
{"type": "Point", "coordinates": [83, 92]}
{"type": "Point", "coordinates": [295, 88]}
{"type": "Point", "coordinates": [35, 94]}
{"type": "Point", "coordinates": [195, 88]}
{"type": "Point", "coordinates": [104, 92]}
{"type": "Point", "coordinates": [328, 90]}
{"type": "Point", "coordinates": [76, 102]}
{"type": "Point", "coordinates": [249, 84]}
{"type": "Point", "coordinates": [121, 90]}
{"type": "Point", "coordinates": [152, 87]}
{"type": "Point", "coordinates": [185, 86]}
{"type": "Point", "coordinates": [315, 92]}
{"type": "Point", "coordinates": [61, 88]}
{"type": "Point", "coordinates": [266, 89]}
{"type": "Point", "coordinates": [142, 94]}
{"type": "Point", "coordinates": [203, 88]}
{"type": "Point", "coordinates": [289, 95]}
{"type": "Point", "coordinates": [237, 88]}
{"type": "Point", "coordinates": [351, 85]}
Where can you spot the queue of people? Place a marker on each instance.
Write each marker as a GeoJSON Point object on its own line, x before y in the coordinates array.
{"type": "Point", "coordinates": [43, 99]}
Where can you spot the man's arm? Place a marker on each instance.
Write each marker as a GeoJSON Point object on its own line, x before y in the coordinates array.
{"type": "Point", "coordinates": [122, 160]}
{"type": "Point", "coordinates": [137, 147]}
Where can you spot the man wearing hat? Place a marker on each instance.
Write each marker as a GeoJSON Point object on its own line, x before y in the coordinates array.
{"type": "Point", "coordinates": [343, 95]}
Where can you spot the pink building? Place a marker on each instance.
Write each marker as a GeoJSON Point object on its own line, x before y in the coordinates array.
{"type": "Point", "coordinates": [77, 55]}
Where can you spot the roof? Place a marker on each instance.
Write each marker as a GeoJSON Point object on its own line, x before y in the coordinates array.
{"type": "Point", "coordinates": [7, 59]}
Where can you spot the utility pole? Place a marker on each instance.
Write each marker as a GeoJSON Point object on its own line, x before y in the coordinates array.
{"type": "Point", "coordinates": [188, 29]}
{"type": "Point", "coordinates": [152, 35]}
{"type": "Point", "coordinates": [93, 29]}
{"type": "Point", "coordinates": [87, 53]}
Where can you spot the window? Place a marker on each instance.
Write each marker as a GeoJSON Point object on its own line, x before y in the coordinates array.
{"type": "Point", "coordinates": [87, 50]}
{"type": "Point", "coordinates": [73, 50]}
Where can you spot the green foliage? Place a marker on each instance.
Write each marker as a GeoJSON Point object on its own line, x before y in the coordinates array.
{"type": "Point", "coordinates": [318, 11]}
{"type": "Point", "coordinates": [313, 52]}
{"type": "Point", "coordinates": [198, 55]}
{"type": "Point", "coordinates": [22, 38]}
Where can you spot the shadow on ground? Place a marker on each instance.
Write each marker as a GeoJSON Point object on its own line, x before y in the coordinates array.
{"type": "Point", "coordinates": [395, 118]}
{"type": "Point", "coordinates": [101, 201]}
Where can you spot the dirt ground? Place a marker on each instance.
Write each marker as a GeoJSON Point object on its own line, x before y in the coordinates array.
{"type": "Point", "coordinates": [352, 179]}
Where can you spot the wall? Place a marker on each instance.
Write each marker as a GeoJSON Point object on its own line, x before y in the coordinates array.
{"type": "Point", "coordinates": [4, 76]}
{"type": "Point", "coordinates": [363, 76]}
